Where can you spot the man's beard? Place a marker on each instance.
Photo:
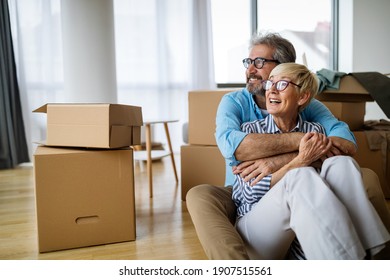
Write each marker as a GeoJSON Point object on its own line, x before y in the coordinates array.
{"type": "Point", "coordinates": [255, 88]}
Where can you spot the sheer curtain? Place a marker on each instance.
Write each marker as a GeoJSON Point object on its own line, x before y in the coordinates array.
{"type": "Point", "coordinates": [162, 51]}
{"type": "Point", "coordinates": [36, 31]}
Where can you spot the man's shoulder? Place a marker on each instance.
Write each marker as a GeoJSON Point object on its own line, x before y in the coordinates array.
{"type": "Point", "coordinates": [313, 106]}
{"type": "Point", "coordinates": [307, 126]}
{"type": "Point", "coordinates": [239, 96]}
{"type": "Point", "coordinates": [238, 93]}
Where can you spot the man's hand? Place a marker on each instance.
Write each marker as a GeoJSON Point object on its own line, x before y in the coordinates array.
{"type": "Point", "coordinates": [341, 147]}
{"type": "Point", "coordinates": [260, 168]}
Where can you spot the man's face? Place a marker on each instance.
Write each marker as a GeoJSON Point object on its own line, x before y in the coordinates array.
{"type": "Point", "coordinates": [255, 76]}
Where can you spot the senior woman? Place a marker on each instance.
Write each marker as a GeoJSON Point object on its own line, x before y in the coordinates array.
{"type": "Point", "coordinates": [300, 211]}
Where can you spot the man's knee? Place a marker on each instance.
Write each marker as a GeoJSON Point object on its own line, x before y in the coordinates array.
{"type": "Point", "coordinates": [213, 213]}
{"type": "Point", "coordinates": [202, 194]}
{"type": "Point", "coordinates": [211, 201]}
{"type": "Point", "coordinates": [197, 192]}
{"type": "Point", "coordinates": [371, 183]}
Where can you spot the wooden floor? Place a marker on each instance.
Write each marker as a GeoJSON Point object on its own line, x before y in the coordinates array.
{"type": "Point", "coordinates": [164, 227]}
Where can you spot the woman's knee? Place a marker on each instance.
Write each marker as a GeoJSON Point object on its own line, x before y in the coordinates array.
{"type": "Point", "coordinates": [297, 178]}
{"type": "Point", "coordinates": [301, 172]}
{"type": "Point", "coordinates": [342, 162]}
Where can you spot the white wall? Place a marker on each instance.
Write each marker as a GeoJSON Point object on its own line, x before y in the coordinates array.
{"type": "Point", "coordinates": [89, 50]}
{"type": "Point", "coordinates": [364, 38]}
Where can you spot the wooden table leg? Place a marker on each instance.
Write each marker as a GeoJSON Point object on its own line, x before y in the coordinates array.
{"type": "Point", "coordinates": [148, 133]}
{"type": "Point", "coordinates": [171, 151]}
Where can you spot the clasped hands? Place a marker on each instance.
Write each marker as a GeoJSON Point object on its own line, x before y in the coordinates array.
{"type": "Point", "coordinates": [314, 148]}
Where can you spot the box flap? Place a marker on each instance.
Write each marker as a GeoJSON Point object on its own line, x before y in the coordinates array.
{"type": "Point", "coordinates": [92, 113]}
{"type": "Point", "coordinates": [350, 90]}
{"type": "Point", "coordinates": [42, 109]}
{"type": "Point", "coordinates": [378, 85]}
{"type": "Point", "coordinates": [125, 115]}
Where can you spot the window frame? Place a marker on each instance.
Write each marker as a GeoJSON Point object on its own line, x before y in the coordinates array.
{"type": "Point", "coordinates": [334, 38]}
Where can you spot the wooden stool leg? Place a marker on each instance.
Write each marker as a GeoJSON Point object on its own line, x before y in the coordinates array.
{"type": "Point", "coordinates": [171, 151]}
{"type": "Point", "coordinates": [149, 159]}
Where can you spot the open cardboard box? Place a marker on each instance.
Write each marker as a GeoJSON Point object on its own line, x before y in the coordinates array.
{"type": "Point", "coordinates": [92, 125]}
{"type": "Point", "coordinates": [376, 160]}
{"type": "Point", "coordinates": [84, 197]}
{"type": "Point", "coordinates": [350, 90]}
{"type": "Point", "coordinates": [352, 113]}
{"type": "Point", "coordinates": [361, 87]}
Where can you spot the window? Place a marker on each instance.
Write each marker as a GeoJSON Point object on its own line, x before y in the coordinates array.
{"type": "Point", "coordinates": [231, 23]}
{"type": "Point", "coordinates": [309, 27]}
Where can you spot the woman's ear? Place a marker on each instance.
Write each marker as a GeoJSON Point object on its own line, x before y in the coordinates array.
{"type": "Point", "coordinates": [303, 98]}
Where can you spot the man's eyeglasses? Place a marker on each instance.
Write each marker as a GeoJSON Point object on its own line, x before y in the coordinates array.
{"type": "Point", "coordinates": [279, 85]}
{"type": "Point", "coordinates": [258, 62]}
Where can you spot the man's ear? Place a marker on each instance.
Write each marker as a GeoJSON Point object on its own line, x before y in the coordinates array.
{"type": "Point", "coordinates": [305, 96]}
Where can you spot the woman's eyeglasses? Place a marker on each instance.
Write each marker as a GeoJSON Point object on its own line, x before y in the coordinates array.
{"type": "Point", "coordinates": [279, 85]}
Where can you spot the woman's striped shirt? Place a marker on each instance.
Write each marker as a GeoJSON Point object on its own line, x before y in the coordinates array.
{"type": "Point", "coordinates": [246, 196]}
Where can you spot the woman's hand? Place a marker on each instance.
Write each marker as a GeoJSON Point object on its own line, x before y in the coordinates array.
{"type": "Point", "coordinates": [312, 147]}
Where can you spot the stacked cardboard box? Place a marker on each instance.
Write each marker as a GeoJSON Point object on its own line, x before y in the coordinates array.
{"type": "Point", "coordinates": [348, 104]}
{"type": "Point", "coordinates": [202, 163]}
{"type": "Point", "coordinates": [84, 175]}
{"type": "Point", "coordinates": [201, 160]}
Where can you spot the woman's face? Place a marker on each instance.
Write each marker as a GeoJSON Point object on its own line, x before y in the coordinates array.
{"type": "Point", "coordinates": [284, 103]}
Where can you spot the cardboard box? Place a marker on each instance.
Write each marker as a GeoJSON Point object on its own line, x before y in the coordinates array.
{"type": "Point", "coordinates": [361, 87]}
{"type": "Point", "coordinates": [350, 90]}
{"type": "Point", "coordinates": [83, 197]}
{"type": "Point", "coordinates": [351, 113]}
{"type": "Point", "coordinates": [201, 165]}
{"type": "Point", "coordinates": [376, 160]}
{"type": "Point", "coordinates": [92, 125]}
{"type": "Point", "coordinates": [203, 107]}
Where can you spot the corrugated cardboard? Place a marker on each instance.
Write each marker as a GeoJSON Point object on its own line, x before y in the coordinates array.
{"type": "Point", "coordinates": [203, 107]}
{"type": "Point", "coordinates": [378, 85]}
{"type": "Point", "coordinates": [92, 125]}
{"type": "Point", "coordinates": [201, 165]}
{"type": "Point", "coordinates": [350, 90]}
{"type": "Point", "coordinates": [83, 197]}
{"type": "Point", "coordinates": [351, 113]}
{"type": "Point", "coordinates": [374, 159]}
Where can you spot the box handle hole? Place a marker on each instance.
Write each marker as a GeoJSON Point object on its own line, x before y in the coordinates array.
{"type": "Point", "coordinates": [87, 220]}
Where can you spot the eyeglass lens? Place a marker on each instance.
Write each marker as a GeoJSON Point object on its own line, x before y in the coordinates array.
{"type": "Point", "coordinates": [279, 85]}
{"type": "Point", "coordinates": [257, 62]}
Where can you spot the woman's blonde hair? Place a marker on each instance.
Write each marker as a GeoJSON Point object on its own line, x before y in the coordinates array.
{"type": "Point", "coordinates": [300, 75]}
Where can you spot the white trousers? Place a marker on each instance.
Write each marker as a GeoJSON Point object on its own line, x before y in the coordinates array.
{"type": "Point", "coordinates": [329, 213]}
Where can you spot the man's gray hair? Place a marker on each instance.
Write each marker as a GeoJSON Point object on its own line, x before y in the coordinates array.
{"type": "Point", "coordinates": [284, 51]}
